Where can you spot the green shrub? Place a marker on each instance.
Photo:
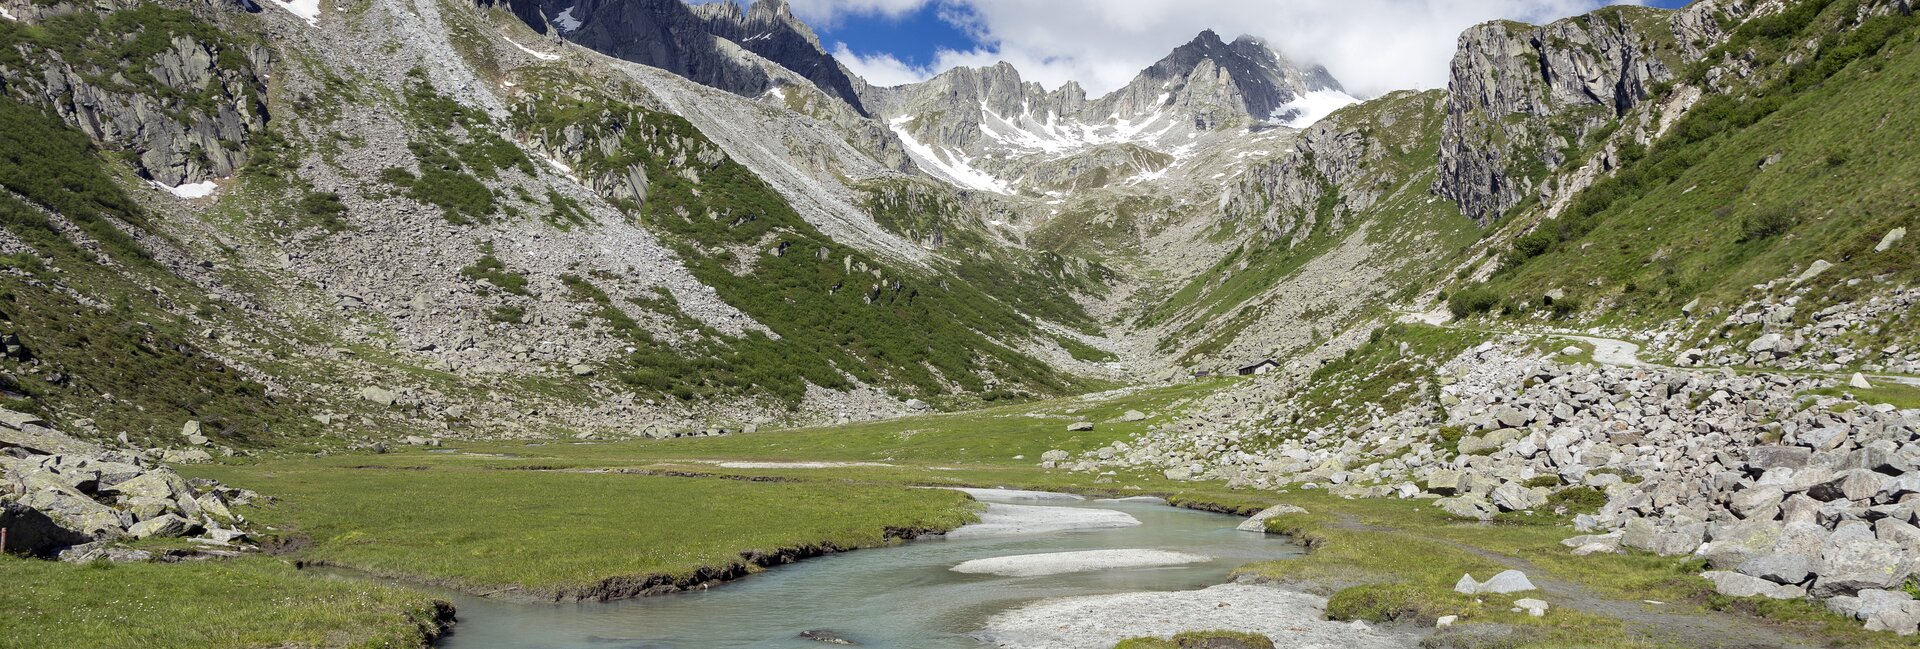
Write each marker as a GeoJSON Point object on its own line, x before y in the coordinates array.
{"type": "Point", "coordinates": [509, 314]}
{"type": "Point", "coordinates": [1767, 223]}
{"type": "Point", "coordinates": [1578, 500]}
{"type": "Point", "coordinates": [1564, 308]}
{"type": "Point", "coordinates": [323, 209]}
{"type": "Point", "coordinates": [1472, 300]}
{"type": "Point", "coordinates": [493, 271]}
{"type": "Point", "coordinates": [1549, 481]}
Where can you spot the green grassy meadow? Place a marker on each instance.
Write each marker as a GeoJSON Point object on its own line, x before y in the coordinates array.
{"type": "Point", "coordinates": [244, 603]}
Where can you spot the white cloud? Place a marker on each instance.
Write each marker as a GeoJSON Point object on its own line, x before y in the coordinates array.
{"type": "Point", "coordinates": [825, 12]}
{"type": "Point", "coordinates": [1372, 46]}
{"type": "Point", "coordinates": [880, 69]}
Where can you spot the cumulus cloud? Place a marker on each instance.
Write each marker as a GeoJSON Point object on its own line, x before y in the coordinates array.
{"type": "Point", "coordinates": [880, 69]}
{"type": "Point", "coordinates": [1372, 46]}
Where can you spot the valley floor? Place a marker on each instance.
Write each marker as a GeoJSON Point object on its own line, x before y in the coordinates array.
{"type": "Point", "coordinates": [587, 520]}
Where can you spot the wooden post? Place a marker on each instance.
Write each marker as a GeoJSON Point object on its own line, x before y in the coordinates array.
{"type": "Point", "coordinates": [3, 540]}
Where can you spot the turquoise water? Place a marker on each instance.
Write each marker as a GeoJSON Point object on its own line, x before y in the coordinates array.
{"type": "Point", "coordinates": [901, 597]}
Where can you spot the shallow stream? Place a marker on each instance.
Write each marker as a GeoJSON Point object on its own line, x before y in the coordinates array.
{"type": "Point", "coordinates": [901, 597]}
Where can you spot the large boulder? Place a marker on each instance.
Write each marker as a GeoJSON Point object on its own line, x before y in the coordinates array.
{"type": "Point", "coordinates": [1853, 562]}
{"type": "Point", "coordinates": [379, 395]}
{"type": "Point", "coordinates": [1855, 485]}
{"type": "Point", "coordinates": [1762, 458]}
{"type": "Point", "coordinates": [1882, 610]}
{"type": "Point", "coordinates": [162, 485]}
{"type": "Point", "coordinates": [165, 525]}
{"type": "Point", "coordinates": [1510, 581]}
{"type": "Point", "coordinates": [1644, 534]}
{"type": "Point", "coordinates": [1473, 507]}
{"type": "Point", "coordinates": [1735, 545]}
{"type": "Point", "coordinates": [1748, 503]}
{"type": "Point", "coordinates": [1512, 497]}
{"type": "Point", "coordinates": [34, 534]}
{"type": "Point", "coordinates": [1445, 482]}
{"type": "Point", "coordinates": [1780, 567]}
{"type": "Point", "coordinates": [1733, 584]}
{"type": "Point", "coordinates": [50, 494]}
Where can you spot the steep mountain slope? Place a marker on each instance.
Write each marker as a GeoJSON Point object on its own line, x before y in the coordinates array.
{"type": "Point", "coordinates": [699, 42]}
{"type": "Point", "coordinates": [576, 257]}
{"type": "Point", "coordinates": [1781, 164]}
{"type": "Point", "coordinates": [1524, 99]}
{"type": "Point", "coordinates": [1322, 237]}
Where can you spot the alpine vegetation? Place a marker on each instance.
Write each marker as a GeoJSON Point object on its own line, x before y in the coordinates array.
{"type": "Point", "coordinates": [322, 322]}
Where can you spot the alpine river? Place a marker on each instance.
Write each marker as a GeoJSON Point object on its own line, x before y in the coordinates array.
{"type": "Point", "coordinates": [900, 597]}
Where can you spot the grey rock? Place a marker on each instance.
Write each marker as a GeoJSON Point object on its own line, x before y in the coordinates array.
{"type": "Point", "coordinates": [1512, 496]}
{"type": "Point", "coordinates": [1848, 565]}
{"type": "Point", "coordinates": [1473, 507]}
{"type": "Point", "coordinates": [379, 395]}
{"type": "Point", "coordinates": [1258, 522]}
{"type": "Point", "coordinates": [1893, 238]}
{"type": "Point", "coordinates": [1780, 568]}
{"type": "Point", "coordinates": [1856, 484]}
{"type": "Point", "coordinates": [166, 525]}
{"type": "Point", "coordinates": [1733, 584]}
{"type": "Point", "coordinates": [32, 533]}
{"type": "Point", "coordinates": [1734, 545]}
{"type": "Point", "coordinates": [1510, 581]}
{"type": "Point", "coordinates": [1761, 458]}
{"type": "Point", "coordinates": [1757, 500]}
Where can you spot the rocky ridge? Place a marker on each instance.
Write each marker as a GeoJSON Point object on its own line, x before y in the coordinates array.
{"type": "Point", "coordinates": [699, 42]}
{"type": "Point", "coordinates": [987, 129]}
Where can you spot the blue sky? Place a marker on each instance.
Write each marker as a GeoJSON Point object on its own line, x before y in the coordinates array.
{"type": "Point", "coordinates": [1373, 46]}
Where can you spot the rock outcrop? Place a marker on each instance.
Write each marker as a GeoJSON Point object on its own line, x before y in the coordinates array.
{"type": "Point", "coordinates": [1341, 159]}
{"type": "Point", "coordinates": [695, 41]}
{"type": "Point", "coordinates": [1521, 96]}
{"type": "Point", "coordinates": [185, 99]}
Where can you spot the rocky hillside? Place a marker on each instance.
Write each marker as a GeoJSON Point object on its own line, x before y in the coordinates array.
{"type": "Point", "coordinates": [1524, 100]}
{"type": "Point", "coordinates": [580, 258]}
{"type": "Point", "coordinates": [718, 44]}
{"type": "Point", "coordinates": [656, 218]}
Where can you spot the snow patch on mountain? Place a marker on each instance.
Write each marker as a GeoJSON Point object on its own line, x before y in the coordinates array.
{"type": "Point", "coordinates": [307, 10]}
{"type": "Point", "coordinates": [200, 189]}
{"type": "Point", "coordinates": [951, 165]}
{"type": "Point", "coordinates": [565, 21]}
{"type": "Point", "coordinates": [538, 55]}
